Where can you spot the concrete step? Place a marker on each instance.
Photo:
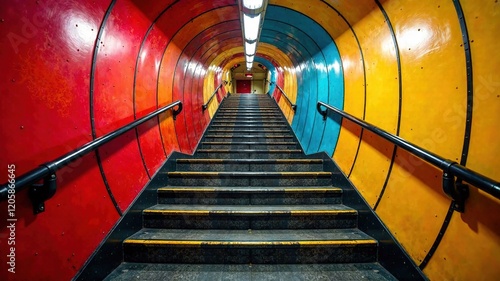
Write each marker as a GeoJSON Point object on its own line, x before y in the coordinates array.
{"type": "Point", "coordinates": [222, 114]}
{"type": "Point", "coordinates": [232, 195]}
{"type": "Point", "coordinates": [179, 178]}
{"type": "Point", "coordinates": [249, 145]}
{"type": "Point", "coordinates": [249, 153]}
{"type": "Point", "coordinates": [249, 216]}
{"type": "Point", "coordinates": [250, 246]}
{"type": "Point", "coordinates": [250, 122]}
{"type": "Point", "coordinates": [247, 272]}
{"type": "Point", "coordinates": [265, 131]}
{"type": "Point", "coordinates": [249, 137]}
{"type": "Point", "coordinates": [249, 118]}
{"type": "Point", "coordinates": [250, 165]}
{"type": "Point", "coordinates": [234, 126]}
{"type": "Point", "coordinates": [249, 110]}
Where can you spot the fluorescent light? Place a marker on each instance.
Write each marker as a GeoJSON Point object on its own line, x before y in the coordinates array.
{"type": "Point", "coordinates": [250, 48]}
{"type": "Point", "coordinates": [249, 58]}
{"type": "Point", "coordinates": [249, 65]}
{"type": "Point", "coordinates": [251, 26]}
{"type": "Point", "coordinates": [252, 4]}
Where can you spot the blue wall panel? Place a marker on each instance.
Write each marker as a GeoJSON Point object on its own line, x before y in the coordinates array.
{"type": "Point", "coordinates": [319, 74]}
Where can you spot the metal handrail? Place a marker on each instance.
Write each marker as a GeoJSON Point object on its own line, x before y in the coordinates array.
{"type": "Point", "coordinates": [48, 170]}
{"type": "Point", "coordinates": [294, 106]}
{"type": "Point", "coordinates": [451, 169]}
{"type": "Point", "coordinates": [205, 106]}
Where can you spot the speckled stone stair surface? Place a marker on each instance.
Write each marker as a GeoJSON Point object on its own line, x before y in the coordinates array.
{"type": "Point", "coordinates": [249, 205]}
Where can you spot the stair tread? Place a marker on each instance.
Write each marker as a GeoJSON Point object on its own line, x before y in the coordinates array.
{"type": "Point", "coordinates": [257, 161]}
{"type": "Point", "coordinates": [245, 272]}
{"type": "Point", "coordinates": [251, 136]}
{"type": "Point", "coordinates": [213, 216]}
{"type": "Point", "coordinates": [250, 142]}
{"type": "Point", "coordinates": [249, 130]}
{"type": "Point", "coordinates": [247, 174]}
{"type": "Point", "coordinates": [250, 150]}
{"type": "Point", "coordinates": [250, 189]}
{"type": "Point", "coordinates": [249, 209]}
{"type": "Point", "coordinates": [265, 237]}
{"type": "Point", "coordinates": [268, 125]}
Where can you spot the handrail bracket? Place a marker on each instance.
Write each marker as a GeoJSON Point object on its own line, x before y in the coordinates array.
{"type": "Point", "coordinates": [39, 193]}
{"type": "Point", "coordinates": [176, 112]}
{"type": "Point", "coordinates": [323, 113]}
{"type": "Point", "coordinates": [455, 189]}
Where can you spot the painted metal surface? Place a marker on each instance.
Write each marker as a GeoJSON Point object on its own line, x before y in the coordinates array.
{"type": "Point", "coordinates": [318, 68]}
{"type": "Point", "coordinates": [479, 227]}
{"type": "Point", "coordinates": [47, 49]}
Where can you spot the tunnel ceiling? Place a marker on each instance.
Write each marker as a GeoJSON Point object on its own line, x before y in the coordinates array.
{"type": "Point", "coordinates": [212, 29]}
{"type": "Point", "coordinates": [425, 70]}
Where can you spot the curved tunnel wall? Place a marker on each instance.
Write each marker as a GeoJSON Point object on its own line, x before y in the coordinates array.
{"type": "Point", "coordinates": [425, 70]}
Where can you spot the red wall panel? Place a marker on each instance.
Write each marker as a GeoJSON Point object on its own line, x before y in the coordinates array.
{"type": "Point", "coordinates": [146, 99]}
{"type": "Point", "coordinates": [59, 90]}
{"type": "Point", "coordinates": [46, 56]}
{"type": "Point", "coordinates": [113, 100]}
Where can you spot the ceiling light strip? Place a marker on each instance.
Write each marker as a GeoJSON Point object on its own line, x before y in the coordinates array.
{"type": "Point", "coordinates": [251, 17]}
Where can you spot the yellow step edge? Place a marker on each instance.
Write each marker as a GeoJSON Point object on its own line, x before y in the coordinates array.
{"type": "Point", "coordinates": [251, 243]}
{"type": "Point", "coordinates": [282, 212]}
{"type": "Point", "coordinates": [291, 190]}
{"type": "Point", "coordinates": [249, 173]}
{"type": "Point", "coordinates": [187, 189]}
{"type": "Point", "coordinates": [272, 161]}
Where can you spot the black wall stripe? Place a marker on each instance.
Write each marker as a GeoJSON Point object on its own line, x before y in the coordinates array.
{"type": "Point", "coordinates": [294, 62]}
{"type": "Point", "coordinates": [158, 80]}
{"type": "Point", "coordinates": [203, 59]}
{"type": "Point", "coordinates": [91, 100]}
{"type": "Point", "coordinates": [295, 59]}
{"type": "Point", "coordinates": [134, 99]}
{"type": "Point", "coordinates": [440, 235]}
{"type": "Point", "coordinates": [470, 86]}
{"type": "Point", "coordinates": [398, 58]}
{"type": "Point", "coordinates": [364, 85]}
{"type": "Point", "coordinates": [177, 65]}
{"type": "Point", "coordinates": [468, 126]}
{"type": "Point", "coordinates": [202, 55]}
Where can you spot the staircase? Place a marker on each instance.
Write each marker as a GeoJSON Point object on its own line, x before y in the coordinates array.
{"type": "Point", "coordinates": [250, 205]}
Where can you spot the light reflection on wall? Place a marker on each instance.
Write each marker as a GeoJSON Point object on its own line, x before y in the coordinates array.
{"type": "Point", "coordinates": [80, 32]}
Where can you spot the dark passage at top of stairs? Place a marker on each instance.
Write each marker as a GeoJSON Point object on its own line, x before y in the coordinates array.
{"type": "Point", "coordinates": [250, 205]}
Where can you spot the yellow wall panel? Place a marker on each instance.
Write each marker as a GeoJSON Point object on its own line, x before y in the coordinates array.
{"type": "Point", "coordinates": [483, 24]}
{"type": "Point", "coordinates": [382, 100]}
{"type": "Point", "coordinates": [354, 99]}
{"type": "Point", "coordinates": [414, 206]}
{"type": "Point", "coordinates": [470, 249]}
{"type": "Point", "coordinates": [434, 98]}
{"type": "Point", "coordinates": [434, 74]}
{"type": "Point", "coordinates": [429, 41]}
